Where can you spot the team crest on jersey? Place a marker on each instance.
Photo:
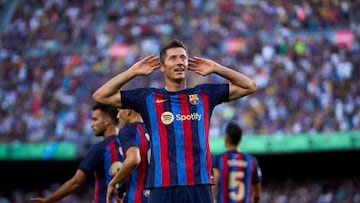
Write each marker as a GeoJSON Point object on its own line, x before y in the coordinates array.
{"type": "Point", "coordinates": [194, 99]}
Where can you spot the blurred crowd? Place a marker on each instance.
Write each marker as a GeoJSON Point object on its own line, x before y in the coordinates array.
{"type": "Point", "coordinates": [313, 191]}
{"type": "Point", "coordinates": [321, 191]}
{"type": "Point", "coordinates": [304, 55]}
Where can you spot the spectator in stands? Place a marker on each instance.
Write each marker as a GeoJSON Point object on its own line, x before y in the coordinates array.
{"type": "Point", "coordinates": [64, 48]}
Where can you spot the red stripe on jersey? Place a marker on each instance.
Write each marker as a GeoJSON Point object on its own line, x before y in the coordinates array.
{"type": "Point", "coordinates": [165, 166]}
{"type": "Point", "coordinates": [142, 166]}
{"type": "Point", "coordinates": [97, 182]}
{"type": "Point", "coordinates": [188, 144]}
{"type": "Point", "coordinates": [225, 178]}
{"type": "Point", "coordinates": [113, 152]}
{"type": "Point", "coordinates": [205, 100]}
{"type": "Point", "coordinates": [252, 173]}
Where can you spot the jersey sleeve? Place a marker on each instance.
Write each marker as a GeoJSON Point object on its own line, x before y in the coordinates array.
{"type": "Point", "coordinates": [90, 161]}
{"type": "Point", "coordinates": [129, 137]}
{"type": "Point", "coordinates": [218, 93]}
{"type": "Point", "coordinates": [215, 161]}
{"type": "Point", "coordinates": [135, 98]}
{"type": "Point", "coordinates": [257, 172]}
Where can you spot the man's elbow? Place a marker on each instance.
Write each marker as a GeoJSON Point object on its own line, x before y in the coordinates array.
{"type": "Point", "coordinates": [134, 161]}
{"type": "Point", "coordinates": [99, 98]}
{"type": "Point", "coordinates": [77, 186]}
{"type": "Point", "coordinates": [253, 87]}
{"type": "Point", "coordinates": [96, 97]}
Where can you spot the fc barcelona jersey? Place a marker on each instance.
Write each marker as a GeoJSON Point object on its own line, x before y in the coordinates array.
{"type": "Point", "coordinates": [135, 135]}
{"type": "Point", "coordinates": [178, 123]}
{"type": "Point", "coordinates": [102, 161]}
{"type": "Point", "coordinates": [237, 174]}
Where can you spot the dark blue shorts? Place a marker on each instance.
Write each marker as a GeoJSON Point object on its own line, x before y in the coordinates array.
{"type": "Point", "coordinates": [181, 194]}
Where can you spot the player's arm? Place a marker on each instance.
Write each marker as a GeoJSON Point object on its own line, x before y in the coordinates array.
{"type": "Point", "coordinates": [257, 182]}
{"type": "Point", "coordinates": [257, 192]}
{"type": "Point", "coordinates": [109, 94]}
{"type": "Point", "coordinates": [214, 188]}
{"type": "Point", "coordinates": [240, 84]}
{"type": "Point", "coordinates": [132, 160]}
{"type": "Point", "coordinates": [68, 187]}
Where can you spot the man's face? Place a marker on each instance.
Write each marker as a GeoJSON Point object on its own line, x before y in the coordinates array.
{"type": "Point", "coordinates": [122, 116]}
{"type": "Point", "coordinates": [98, 123]}
{"type": "Point", "coordinates": [175, 64]}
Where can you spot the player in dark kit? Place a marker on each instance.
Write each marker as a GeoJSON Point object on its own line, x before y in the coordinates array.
{"type": "Point", "coordinates": [135, 145]}
{"type": "Point", "coordinates": [237, 175]}
{"type": "Point", "coordinates": [102, 161]}
{"type": "Point", "coordinates": [177, 118]}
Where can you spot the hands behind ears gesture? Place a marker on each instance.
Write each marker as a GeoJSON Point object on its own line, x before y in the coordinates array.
{"type": "Point", "coordinates": [147, 65]}
{"type": "Point", "coordinates": [150, 63]}
{"type": "Point", "coordinates": [202, 66]}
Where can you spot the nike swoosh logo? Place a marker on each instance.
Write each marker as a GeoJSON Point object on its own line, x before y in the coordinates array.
{"type": "Point", "coordinates": [160, 100]}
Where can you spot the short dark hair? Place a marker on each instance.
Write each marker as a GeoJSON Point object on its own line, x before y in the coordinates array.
{"type": "Point", "coordinates": [234, 133]}
{"type": "Point", "coordinates": [172, 44]}
{"type": "Point", "coordinates": [109, 110]}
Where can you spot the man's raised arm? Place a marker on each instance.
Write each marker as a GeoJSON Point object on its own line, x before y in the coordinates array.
{"type": "Point", "coordinates": [240, 84]}
{"type": "Point", "coordinates": [109, 93]}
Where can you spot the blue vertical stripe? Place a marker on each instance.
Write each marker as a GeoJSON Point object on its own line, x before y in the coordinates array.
{"type": "Point", "coordinates": [179, 139]}
{"type": "Point", "coordinates": [107, 164]}
{"type": "Point", "coordinates": [133, 178]}
{"type": "Point", "coordinates": [171, 143]}
{"type": "Point", "coordinates": [202, 143]}
{"type": "Point", "coordinates": [132, 189]}
{"type": "Point", "coordinates": [155, 139]}
{"type": "Point", "coordinates": [221, 184]}
{"type": "Point", "coordinates": [247, 179]}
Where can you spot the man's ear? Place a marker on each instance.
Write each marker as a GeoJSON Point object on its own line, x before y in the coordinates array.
{"type": "Point", "coordinates": [226, 139]}
{"type": "Point", "coordinates": [108, 120]}
{"type": "Point", "coordinates": [162, 67]}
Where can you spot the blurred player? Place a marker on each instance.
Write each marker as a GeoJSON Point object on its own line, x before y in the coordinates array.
{"type": "Point", "coordinates": [134, 141]}
{"type": "Point", "coordinates": [237, 175]}
{"type": "Point", "coordinates": [177, 118]}
{"type": "Point", "coordinates": [102, 161]}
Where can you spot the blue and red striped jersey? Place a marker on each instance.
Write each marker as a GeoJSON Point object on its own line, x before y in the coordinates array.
{"type": "Point", "coordinates": [102, 161]}
{"type": "Point", "coordinates": [237, 174]}
{"type": "Point", "coordinates": [135, 135]}
{"type": "Point", "coordinates": [178, 123]}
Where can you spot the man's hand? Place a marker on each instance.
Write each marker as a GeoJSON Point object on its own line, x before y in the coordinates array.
{"type": "Point", "coordinates": [202, 66]}
{"type": "Point", "coordinates": [111, 191]}
{"type": "Point", "coordinates": [146, 66]}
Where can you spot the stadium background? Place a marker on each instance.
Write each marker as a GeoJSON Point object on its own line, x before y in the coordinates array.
{"type": "Point", "coordinates": [303, 123]}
